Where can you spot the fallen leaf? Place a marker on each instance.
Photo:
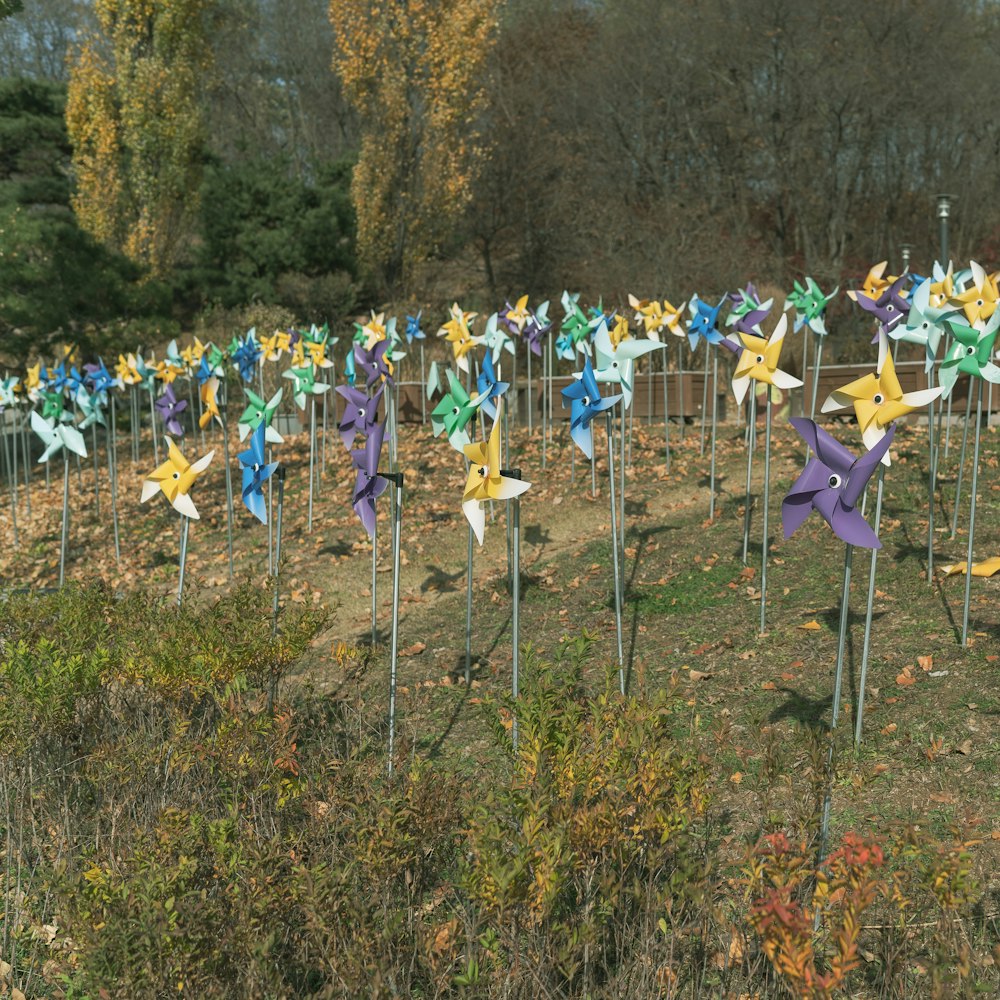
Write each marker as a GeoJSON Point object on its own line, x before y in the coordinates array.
{"type": "Point", "coordinates": [415, 650]}
{"type": "Point", "coordinates": [699, 675]}
{"type": "Point", "coordinates": [812, 626]}
{"type": "Point", "coordinates": [905, 679]}
{"type": "Point", "coordinates": [769, 686]}
{"type": "Point", "coordinates": [964, 748]}
{"type": "Point", "coordinates": [926, 662]}
{"type": "Point", "coordinates": [736, 778]}
{"type": "Point", "coordinates": [889, 729]}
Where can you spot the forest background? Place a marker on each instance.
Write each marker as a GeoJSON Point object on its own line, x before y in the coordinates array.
{"type": "Point", "coordinates": [170, 165]}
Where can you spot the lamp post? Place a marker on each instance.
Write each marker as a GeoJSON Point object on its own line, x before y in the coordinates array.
{"type": "Point", "coordinates": [943, 213]}
{"type": "Point", "coordinates": [905, 249]}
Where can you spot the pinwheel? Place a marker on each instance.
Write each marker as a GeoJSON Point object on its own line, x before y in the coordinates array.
{"type": "Point", "coordinates": [979, 300]}
{"type": "Point", "coordinates": [586, 402]}
{"type": "Point", "coordinates": [453, 413]}
{"type": "Point", "coordinates": [247, 356]}
{"type": "Point", "coordinates": [614, 362]}
{"type": "Point", "coordinates": [53, 408]}
{"type": "Point", "coordinates": [208, 396]}
{"type": "Point", "coordinates": [759, 361]}
{"type": "Point", "coordinates": [971, 351]}
{"type": "Point", "coordinates": [90, 407]}
{"type": "Point", "coordinates": [702, 325]}
{"type": "Point", "coordinates": [57, 436]}
{"type": "Point", "coordinates": [368, 485]}
{"type": "Point", "coordinates": [256, 472]}
{"type": "Point", "coordinates": [889, 306]}
{"type": "Point", "coordinates": [413, 329]}
{"type": "Point", "coordinates": [495, 340]}
{"type": "Point", "coordinates": [749, 314]}
{"type": "Point", "coordinates": [66, 438]}
{"type": "Point", "coordinates": [878, 399]}
{"type": "Point", "coordinates": [832, 483]}
{"type": "Point", "coordinates": [174, 478]}
{"type": "Point", "coordinates": [518, 315]}
{"type": "Point", "coordinates": [371, 331]}
{"type": "Point", "coordinates": [649, 313]}
{"type": "Point", "coordinates": [304, 384]}
{"type": "Point", "coordinates": [576, 326]}
{"type": "Point", "coordinates": [215, 358]}
{"type": "Point", "coordinates": [192, 354]}
{"type": "Point", "coordinates": [33, 380]}
{"type": "Point", "coordinates": [536, 327]}
{"type": "Point", "coordinates": [376, 364]}
{"type": "Point", "coordinates": [360, 412]}
{"type": "Point", "coordinates": [489, 387]}
{"type": "Point", "coordinates": [9, 400]}
{"type": "Point", "coordinates": [316, 352]}
{"type": "Point", "coordinates": [485, 482]}
{"type": "Point", "coordinates": [275, 345]}
{"type": "Point", "coordinates": [457, 332]}
{"type": "Point", "coordinates": [170, 408]}
{"type": "Point", "coordinates": [873, 283]}
{"type": "Point", "coordinates": [924, 323]}
{"type": "Point", "coordinates": [8, 392]}
{"type": "Point", "coordinates": [100, 380]}
{"type": "Point", "coordinates": [258, 412]}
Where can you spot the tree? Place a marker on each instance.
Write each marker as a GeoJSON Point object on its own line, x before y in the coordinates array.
{"type": "Point", "coordinates": [136, 125]}
{"type": "Point", "coordinates": [414, 71]}
{"type": "Point", "coordinates": [55, 279]}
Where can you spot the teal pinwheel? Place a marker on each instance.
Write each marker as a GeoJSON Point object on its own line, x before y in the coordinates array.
{"type": "Point", "coordinates": [453, 413]}
{"type": "Point", "coordinates": [925, 323]}
{"type": "Point", "coordinates": [56, 436]}
{"type": "Point", "coordinates": [614, 364]}
{"type": "Point", "coordinates": [91, 408]}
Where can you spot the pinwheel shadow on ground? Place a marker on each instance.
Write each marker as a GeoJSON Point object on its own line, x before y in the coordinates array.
{"type": "Point", "coordinates": [691, 614]}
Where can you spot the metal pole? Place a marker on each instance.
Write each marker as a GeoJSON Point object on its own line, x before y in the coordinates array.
{"type": "Point", "coordinates": [280, 473]}
{"type": "Point", "coordinates": [931, 479]}
{"type": "Point", "coordinates": [65, 520]}
{"type": "Point", "coordinates": [545, 432]}
{"type": "Point", "coordinates": [767, 483]}
{"type": "Point", "coordinates": [152, 424]}
{"type": "Point", "coordinates": [423, 387]}
{"type": "Point", "coordinates": [715, 428]}
{"type": "Point", "coordinates": [515, 602]}
{"type": "Point", "coordinates": [614, 547]}
{"type": "Point", "coordinates": [752, 426]}
{"type": "Point", "coordinates": [312, 457]}
{"type": "Point", "coordinates": [374, 581]}
{"type": "Point", "coordinates": [97, 488]}
{"type": "Point", "coordinates": [666, 413]}
{"type": "Point", "coordinates": [397, 526]}
{"type": "Point", "coordinates": [680, 384]}
{"type": "Point", "coordinates": [112, 449]}
{"type": "Point", "coordinates": [860, 712]}
{"type": "Point", "coordinates": [972, 513]}
{"type": "Point", "coordinates": [11, 475]}
{"type": "Point", "coordinates": [229, 486]}
{"type": "Point", "coordinates": [961, 461]}
{"type": "Point", "coordinates": [468, 612]}
{"type": "Point", "coordinates": [531, 401]}
{"type": "Point", "coordinates": [704, 402]}
{"type": "Point", "coordinates": [26, 462]}
{"type": "Point", "coordinates": [835, 716]}
{"type": "Point", "coordinates": [185, 523]}
{"type": "Point", "coordinates": [621, 493]}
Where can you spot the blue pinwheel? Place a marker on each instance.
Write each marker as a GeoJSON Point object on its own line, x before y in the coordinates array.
{"type": "Point", "coordinates": [702, 325]}
{"type": "Point", "coordinates": [489, 387]}
{"type": "Point", "coordinates": [350, 372]}
{"type": "Point", "coordinates": [360, 412]}
{"type": "Point", "coordinates": [256, 472]}
{"type": "Point", "coordinates": [100, 380]}
{"type": "Point", "coordinates": [585, 403]}
{"type": "Point", "coordinates": [413, 328]}
{"type": "Point", "coordinates": [369, 485]}
{"type": "Point", "coordinates": [247, 355]}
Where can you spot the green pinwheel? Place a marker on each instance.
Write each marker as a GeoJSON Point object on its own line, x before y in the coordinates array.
{"type": "Point", "coordinates": [305, 384]}
{"type": "Point", "coordinates": [258, 412]}
{"type": "Point", "coordinates": [453, 413]}
{"type": "Point", "coordinates": [971, 352]}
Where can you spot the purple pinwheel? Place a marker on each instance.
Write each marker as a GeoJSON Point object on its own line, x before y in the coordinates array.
{"type": "Point", "coordinates": [360, 413]}
{"type": "Point", "coordinates": [832, 483]}
{"type": "Point", "coordinates": [255, 473]}
{"type": "Point", "coordinates": [374, 363]}
{"type": "Point", "coordinates": [369, 485]}
{"type": "Point", "coordinates": [748, 319]}
{"type": "Point", "coordinates": [585, 403]}
{"type": "Point", "coordinates": [537, 325]}
{"type": "Point", "coordinates": [890, 307]}
{"type": "Point", "coordinates": [170, 408]}
{"type": "Point", "coordinates": [488, 387]}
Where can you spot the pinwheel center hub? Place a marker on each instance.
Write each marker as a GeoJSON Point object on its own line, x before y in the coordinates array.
{"type": "Point", "coordinates": [483, 471]}
{"type": "Point", "coordinates": [760, 359]}
{"type": "Point", "coordinates": [970, 350]}
{"type": "Point", "coordinates": [834, 481]}
{"type": "Point", "coordinates": [878, 399]}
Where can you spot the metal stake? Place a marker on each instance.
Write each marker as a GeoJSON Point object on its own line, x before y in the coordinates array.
{"type": "Point", "coordinates": [374, 581]}
{"type": "Point", "coordinates": [972, 512]}
{"type": "Point", "coordinates": [468, 613]}
{"type": "Point", "coordinates": [715, 429]}
{"type": "Point", "coordinates": [397, 526]}
{"type": "Point", "coordinates": [752, 427]}
{"type": "Point", "coordinates": [767, 484]}
{"type": "Point", "coordinates": [860, 712]}
{"type": "Point", "coordinates": [65, 520]}
{"type": "Point", "coordinates": [312, 457]}
{"type": "Point", "coordinates": [280, 473]}
{"type": "Point", "coordinates": [961, 460]}
{"type": "Point", "coordinates": [680, 384]}
{"type": "Point", "coordinates": [229, 486]}
{"type": "Point", "coordinates": [112, 450]}
{"type": "Point", "coordinates": [614, 548]}
{"type": "Point", "coordinates": [704, 402]}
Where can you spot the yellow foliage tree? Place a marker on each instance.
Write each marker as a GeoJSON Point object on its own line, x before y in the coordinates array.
{"type": "Point", "coordinates": [414, 70]}
{"type": "Point", "coordinates": [135, 122]}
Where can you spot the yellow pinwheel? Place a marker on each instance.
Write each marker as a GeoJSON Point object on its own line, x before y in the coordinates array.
{"type": "Point", "coordinates": [209, 402]}
{"type": "Point", "coordinates": [878, 399]}
{"type": "Point", "coordinates": [941, 291]}
{"type": "Point", "coordinates": [759, 362]}
{"type": "Point", "coordinates": [673, 319]}
{"type": "Point", "coordinates": [127, 370]}
{"type": "Point", "coordinates": [620, 331]}
{"type": "Point", "coordinates": [485, 482]}
{"type": "Point", "coordinates": [166, 372]}
{"type": "Point", "coordinates": [373, 330]}
{"type": "Point", "coordinates": [174, 478]}
{"type": "Point", "coordinates": [519, 315]}
{"type": "Point", "coordinates": [979, 300]}
{"type": "Point", "coordinates": [317, 353]}
{"type": "Point", "coordinates": [458, 334]}
{"type": "Point", "coordinates": [33, 379]}
{"type": "Point", "coordinates": [874, 282]}
{"type": "Point", "coordinates": [192, 354]}
{"type": "Point", "coordinates": [275, 345]}
{"type": "Point", "coordinates": [650, 314]}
